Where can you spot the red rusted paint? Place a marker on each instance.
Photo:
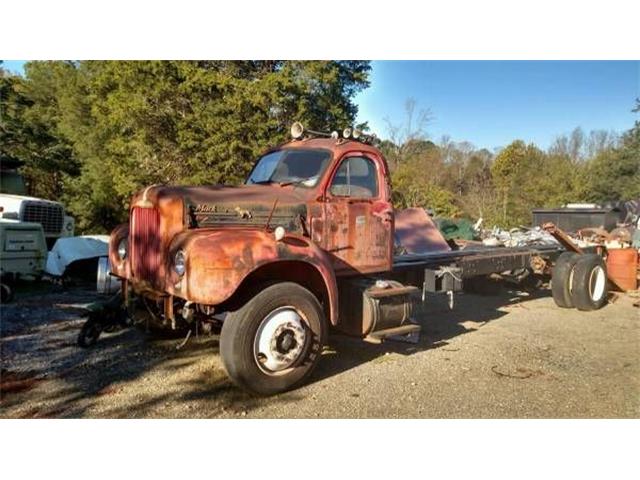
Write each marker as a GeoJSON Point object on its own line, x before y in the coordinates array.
{"type": "Point", "coordinates": [417, 233]}
{"type": "Point", "coordinates": [118, 267]}
{"type": "Point", "coordinates": [218, 262]}
{"type": "Point", "coordinates": [336, 236]}
{"type": "Point", "coordinates": [144, 243]}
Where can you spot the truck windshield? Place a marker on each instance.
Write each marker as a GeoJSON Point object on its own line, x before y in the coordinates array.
{"type": "Point", "coordinates": [302, 167]}
{"type": "Point", "coordinates": [12, 182]}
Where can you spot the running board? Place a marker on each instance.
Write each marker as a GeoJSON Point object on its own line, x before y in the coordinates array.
{"type": "Point", "coordinates": [405, 333]}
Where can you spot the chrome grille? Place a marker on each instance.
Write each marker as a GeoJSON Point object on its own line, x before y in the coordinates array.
{"type": "Point", "coordinates": [144, 242]}
{"type": "Point", "coordinates": [50, 216]}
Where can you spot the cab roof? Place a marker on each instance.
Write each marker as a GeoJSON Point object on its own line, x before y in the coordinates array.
{"type": "Point", "coordinates": [337, 146]}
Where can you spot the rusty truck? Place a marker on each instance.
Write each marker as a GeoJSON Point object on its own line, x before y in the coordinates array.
{"type": "Point", "coordinates": [308, 244]}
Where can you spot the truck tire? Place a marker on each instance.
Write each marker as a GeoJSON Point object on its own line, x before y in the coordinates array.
{"type": "Point", "coordinates": [89, 333]}
{"type": "Point", "coordinates": [274, 341]}
{"type": "Point", "coordinates": [589, 290]}
{"type": "Point", "coordinates": [6, 293]}
{"type": "Point", "coordinates": [561, 279]}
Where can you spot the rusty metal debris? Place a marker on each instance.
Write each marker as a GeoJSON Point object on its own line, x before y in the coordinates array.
{"type": "Point", "coordinates": [517, 237]}
{"type": "Point", "coordinates": [416, 232]}
{"type": "Point", "coordinates": [561, 237]}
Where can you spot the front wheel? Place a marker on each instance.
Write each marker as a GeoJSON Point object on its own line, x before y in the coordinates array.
{"type": "Point", "coordinates": [274, 341]}
{"type": "Point", "coordinates": [89, 333]}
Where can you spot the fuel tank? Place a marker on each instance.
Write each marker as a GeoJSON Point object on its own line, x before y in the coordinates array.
{"type": "Point", "coordinates": [369, 305]}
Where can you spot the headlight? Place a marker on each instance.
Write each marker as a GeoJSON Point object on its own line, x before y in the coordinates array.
{"type": "Point", "coordinates": [123, 246]}
{"type": "Point", "coordinates": [180, 263]}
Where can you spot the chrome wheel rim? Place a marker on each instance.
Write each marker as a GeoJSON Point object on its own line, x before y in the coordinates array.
{"type": "Point", "coordinates": [280, 340]}
{"type": "Point", "coordinates": [597, 283]}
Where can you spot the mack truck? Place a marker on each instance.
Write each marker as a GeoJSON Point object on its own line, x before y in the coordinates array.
{"type": "Point", "coordinates": [309, 244]}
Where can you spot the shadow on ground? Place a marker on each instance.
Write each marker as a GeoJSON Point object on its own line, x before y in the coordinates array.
{"type": "Point", "coordinates": [129, 374]}
{"type": "Point", "coordinates": [439, 325]}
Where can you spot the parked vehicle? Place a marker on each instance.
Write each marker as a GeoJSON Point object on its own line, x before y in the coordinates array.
{"type": "Point", "coordinates": [23, 253]}
{"type": "Point", "coordinates": [16, 205]}
{"type": "Point", "coordinates": [108, 316]}
{"type": "Point", "coordinates": [306, 244]}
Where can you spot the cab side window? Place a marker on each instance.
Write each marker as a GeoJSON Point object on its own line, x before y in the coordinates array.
{"type": "Point", "coordinates": [356, 177]}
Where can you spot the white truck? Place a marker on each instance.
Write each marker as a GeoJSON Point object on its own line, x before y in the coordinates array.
{"type": "Point", "coordinates": [23, 254]}
{"type": "Point", "coordinates": [15, 205]}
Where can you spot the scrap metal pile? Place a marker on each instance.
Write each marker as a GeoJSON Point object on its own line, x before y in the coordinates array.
{"type": "Point", "coordinates": [623, 233]}
{"type": "Point", "coordinates": [611, 232]}
{"type": "Point", "coordinates": [620, 237]}
{"type": "Point", "coordinates": [516, 237]}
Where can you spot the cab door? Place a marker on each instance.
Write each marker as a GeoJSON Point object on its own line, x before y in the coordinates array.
{"type": "Point", "coordinates": [358, 216]}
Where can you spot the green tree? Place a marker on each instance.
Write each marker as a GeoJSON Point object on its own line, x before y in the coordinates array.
{"type": "Point", "coordinates": [12, 128]}
{"type": "Point", "coordinates": [136, 123]}
{"type": "Point", "coordinates": [478, 196]}
{"type": "Point", "coordinates": [615, 174]}
{"type": "Point", "coordinates": [507, 172]}
{"type": "Point", "coordinates": [30, 126]}
{"type": "Point", "coordinates": [523, 180]}
{"type": "Point", "coordinates": [415, 186]}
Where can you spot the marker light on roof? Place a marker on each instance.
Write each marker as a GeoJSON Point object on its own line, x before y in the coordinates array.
{"type": "Point", "coordinates": [297, 130]}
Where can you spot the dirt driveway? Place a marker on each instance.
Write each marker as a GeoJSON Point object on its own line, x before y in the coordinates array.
{"type": "Point", "coordinates": [508, 355]}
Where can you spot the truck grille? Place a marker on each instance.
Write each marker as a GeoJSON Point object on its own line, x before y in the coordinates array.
{"type": "Point", "coordinates": [145, 243]}
{"type": "Point", "coordinates": [50, 216]}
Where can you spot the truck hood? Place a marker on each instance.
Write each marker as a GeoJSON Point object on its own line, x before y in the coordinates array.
{"type": "Point", "coordinates": [218, 205]}
{"type": "Point", "coordinates": [241, 193]}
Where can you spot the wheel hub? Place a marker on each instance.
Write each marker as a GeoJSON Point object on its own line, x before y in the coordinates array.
{"type": "Point", "coordinates": [597, 283]}
{"type": "Point", "coordinates": [285, 342]}
{"type": "Point", "coordinates": [280, 340]}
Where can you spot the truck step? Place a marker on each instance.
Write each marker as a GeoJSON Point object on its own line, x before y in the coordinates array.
{"type": "Point", "coordinates": [405, 333]}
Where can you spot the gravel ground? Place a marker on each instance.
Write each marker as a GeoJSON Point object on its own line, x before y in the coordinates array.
{"type": "Point", "coordinates": [513, 354]}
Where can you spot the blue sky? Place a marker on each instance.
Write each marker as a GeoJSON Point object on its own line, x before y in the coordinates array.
{"type": "Point", "coordinates": [491, 103]}
{"type": "Point", "coordinates": [13, 65]}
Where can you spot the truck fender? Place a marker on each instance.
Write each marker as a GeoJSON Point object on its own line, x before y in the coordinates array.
{"type": "Point", "coordinates": [219, 263]}
{"type": "Point", "coordinates": [118, 266]}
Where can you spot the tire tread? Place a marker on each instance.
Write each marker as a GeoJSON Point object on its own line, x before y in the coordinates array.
{"type": "Point", "coordinates": [238, 332]}
{"type": "Point", "coordinates": [560, 288]}
{"type": "Point", "coordinates": [580, 295]}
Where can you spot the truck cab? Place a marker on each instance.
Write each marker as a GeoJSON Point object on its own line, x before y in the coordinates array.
{"type": "Point", "coordinates": [349, 212]}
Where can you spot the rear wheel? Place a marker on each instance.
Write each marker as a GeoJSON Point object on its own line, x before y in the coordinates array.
{"type": "Point", "coordinates": [274, 341]}
{"type": "Point", "coordinates": [589, 290]}
{"type": "Point", "coordinates": [562, 279]}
